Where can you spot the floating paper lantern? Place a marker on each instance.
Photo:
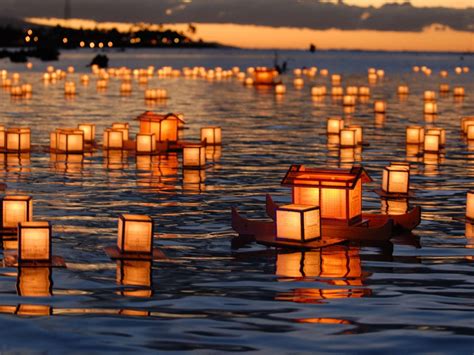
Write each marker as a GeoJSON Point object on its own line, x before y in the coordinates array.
{"type": "Point", "coordinates": [337, 91]}
{"type": "Point", "coordinates": [432, 143]}
{"type": "Point", "coordinates": [16, 209]}
{"type": "Point", "coordinates": [352, 90]}
{"type": "Point", "coordinates": [89, 131]}
{"type": "Point", "coordinates": [336, 80]}
{"type": "Point", "coordinates": [280, 89]}
{"type": "Point", "coordinates": [359, 133]}
{"type": "Point", "coordinates": [70, 88]}
{"type": "Point", "coordinates": [318, 91]}
{"type": "Point", "coordinates": [212, 135]}
{"type": "Point", "coordinates": [27, 89]}
{"type": "Point", "coordinates": [430, 108]}
{"type": "Point", "coordinates": [415, 135]}
{"type": "Point", "coordinates": [334, 125]}
{"type": "Point", "coordinates": [443, 73]}
{"type": "Point", "coordinates": [470, 132]}
{"type": "Point", "coordinates": [298, 82]}
{"type": "Point", "coordinates": [300, 223]}
{"type": "Point", "coordinates": [34, 241]}
{"type": "Point", "coordinates": [85, 79]}
{"type": "Point", "coordinates": [465, 69]}
{"type": "Point", "coordinates": [126, 88]}
{"type": "Point", "coordinates": [297, 72]}
{"type": "Point", "coordinates": [16, 91]}
{"type": "Point", "coordinates": [466, 121]}
{"type": "Point", "coordinates": [416, 68]}
{"type": "Point", "coordinates": [113, 139]}
{"type": "Point", "coordinates": [429, 95]}
{"type": "Point", "coordinates": [102, 84]}
{"type": "Point", "coordinates": [145, 143]}
{"type": "Point", "coordinates": [458, 70]}
{"type": "Point", "coordinates": [324, 72]}
{"type": "Point", "coordinates": [443, 88]}
{"type": "Point", "coordinates": [380, 106]}
{"type": "Point", "coordinates": [364, 91]}
{"type": "Point", "coordinates": [69, 141]}
{"type": "Point", "coordinates": [124, 127]}
{"type": "Point", "coordinates": [348, 100]}
{"type": "Point", "coordinates": [264, 76]}
{"type": "Point", "coordinates": [439, 131]}
{"type": "Point", "coordinates": [248, 81]}
{"type": "Point", "coordinates": [2, 137]}
{"type": "Point", "coordinates": [348, 138]}
{"type": "Point", "coordinates": [135, 234]}
{"type": "Point", "coordinates": [18, 139]}
{"type": "Point", "coordinates": [396, 179]}
{"type": "Point", "coordinates": [165, 127]}
{"type": "Point", "coordinates": [403, 90]}
{"type": "Point", "coordinates": [380, 73]}
{"type": "Point", "coordinates": [194, 156]}
{"type": "Point", "coordinates": [372, 77]}
{"type": "Point", "coordinates": [458, 91]}
{"type": "Point", "coordinates": [470, 205]}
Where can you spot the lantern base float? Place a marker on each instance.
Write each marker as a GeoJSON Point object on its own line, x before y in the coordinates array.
{"type": "Point", "coordinates": [382, 193]}
{"type": "Point", "coordinates": [114, 253]}
{"type": "Point", "coordinates": [11, 260]}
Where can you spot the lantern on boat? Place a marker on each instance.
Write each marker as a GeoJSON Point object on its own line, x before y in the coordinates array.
{"type": "Point", "coordinates": [470, 205]}
{"type": "Point", "coordinates": [348, 138]}
{"type": "Point", "coordinates": [34, 241]}
{"type": "Point", "coordinates": [89, 131]}
{"type": "Point", "coordinates": [380, 106]}
{"type": "Point", "coordinates": [122, 126]}
{"type": "Point", "coordinates": [280, 89]}
{"type": "Point", "coordinates": [318, 91]}
{"type": "Point", "coordinates": [212, 135]}
{"type": "Point", "coordinates": [334, 125]}
{"type": "Point", "coordinates": [403, 90]}
{"type": "Point", "coordinates": [458, 91]}
{"type": "Point", "coordinates": [396, 179]}
{"type": "Point", "coordinates": [439, 131]}
{"type": "Point", "coordinates": [415, 135]}
{"type": "Point", "coordinates": [429, 95]}
{"type": "Point", "coordinates": [194, 156]}
{"type": "Point", "coordinates": [135, 234]}
{"type": "Point", "coordinates": [165, 127]}
{"type": "Point", "coordinates": [338, 192]}
{"type": "Point", "coordinates": [430, 108]}
{"type": "Point", "coordinates": [18, 139]}
{"type": "Point", "coordinates": [299, 223]}
{"type": "Point", "coordinates": [113, 139]}
{"type": "Point", "coordinates": [145, 143]}
{"type": "Point", "coordinates": [16, 209]}
{"type": "Point", "coordinates": [432, 143]}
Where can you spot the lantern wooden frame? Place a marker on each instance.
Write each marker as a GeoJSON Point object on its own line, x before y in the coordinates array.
{"type": "Point", "coordinates": [304, 212]}
{"type": "Point", "coordinates": [34, 225]}
{"type": "Point", "coordinates": [27, 210]}
{"type": "Point", "coordinates": [212, 135]}
{"type": "Point", "coordinates": [63, 141]}
{"type": "Point", "coordinates": [145, 143]}
{"type": "Point", "coordinates": [201, 160]}
{"type": "Point", "coordinates": [432, 139]}
{"type": "Point", "coordinates": [348, 138]}
{"type": "Point", "coordinates": [415, 135]}
{"type": "Point", "coordinates": [165, 127]}
{"type": "Point", "coordinates": [124, 127]}
{"type": "Point", "coordinates": [387, 177]}
{"type": "Point", "coordinates": [111, 134]}
{"type": "Point", "coordinates": [89, 131]}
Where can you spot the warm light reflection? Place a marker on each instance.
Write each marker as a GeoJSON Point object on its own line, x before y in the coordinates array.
{"type": "Point", "coordinates": [136, 273]}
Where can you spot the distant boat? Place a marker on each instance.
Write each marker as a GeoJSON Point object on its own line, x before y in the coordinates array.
{"type": "Point", "coordinates": [312, 48]}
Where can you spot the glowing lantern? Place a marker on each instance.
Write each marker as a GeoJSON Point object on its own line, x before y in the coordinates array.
{"type": "Point", "coordinates": [465, 122]}
{"type": "Point", "coordinates": [34, 241]}
{"type": "Point", "coordinates": [349, 100]}
{"type": "Point", "coordinates": [430, 108]}
{"type": "Point", "coordinates": [334, 125]}
{"type": "Point", "coordinates": [429, 95]}
{"type": "Point", "coordinates": [439, 131]}
{"type": "Point", "coordinates": [380, 106]}
{"type": "Point", "coordinates": [85, 79]}
{"type": "Point", "coordinates": [432, 143]}
{"type": "Point", "coordinates": [165, 127]}
{"type": "Point", "coordinates": [18, 139]}
{"type": "Point", "coordinates": [324, 72]}
{"type": "Point", "coordinates": [458, 91]}
{"type": "Point", "coordinates": [194, 156]}
{"type": "Point", "coordinates": [352, 90]}
{"type": "Point", "coordinates": [338, 192]}
{"type": "Point", "coordinates": [318, 91]}
{"type": "Point", "coordinates": [16, 209]}
{"type": "Point", "coordinates": [212, 135]}
{"type": "Point", "coordinates": [380, 73]}
{"type": "Point", "coordinates": [403, 90]}
{"type": "Point", "coordinates": [102, 84]}
{"type": "Point", "coordinates": [34, 281]}
{"type": "Point", "coordinates": [70, 88]}
{"type": "Point", "coordinates": [301, 223]}
{"type": "Point", "coordinates": [126, 88]}
{"type": "Point", "coordinates": [470, 132]}
{"type": "Point", "coordinates": [364, 91]}
{"type": "Point", "coordinates": [359, 134]}
{"type": "Point", "coordinates": [145, 143]}
{"type": "Point", "coordinates": [135, 234]}
{"type": "Point", "coordinates": [443, 73]}
{"type": "Point", "coordinates": [123, 127]}
{"type": "Point", "coordinates": [16, 91]}
{"type": "Point", "coordinates": [372, 77]}
{"type": "Point", "coordinates": [348, 138]}
{"type": "Point", "coordinates": [280, 89]}
{"type": "Point", "coordinates": [298, 82]}
{"type": "Point", "coordinates": [416, 68]}
{"type": "Point", "coordinates": [89, 131]}
{"type": "Point", "coordinates": [470, 205]}
{"type": "Point", "coordinates": [336, 80]}
{"type": "Point", "coordinates": [27, 89]}
{"type": "Point", "coordinates": [415, 135]}
{"type": "Point", "coordinates": [396, 179]}
{"type": "Point", "coordinates": [113, 139]}
{"type": "Point", "coordinates": [248, 81]}
{"type": "Point", "coordinates": [297, 72]}
{"type": "Point", "coordinates": [443, 88]}
{"type": "Point", "coordinates": [458, 70]}
{"type": "Point", "coordinates": [337, 91]}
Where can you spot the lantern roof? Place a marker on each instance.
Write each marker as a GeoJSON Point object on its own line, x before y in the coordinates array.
{"type": "Point", "coordinates": [156, 117]}
{"type": "Point", "coordinates": [300, 176]}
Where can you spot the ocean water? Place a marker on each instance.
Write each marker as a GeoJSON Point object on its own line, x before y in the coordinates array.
{"type": "Point", "coordinates": [414, 294]}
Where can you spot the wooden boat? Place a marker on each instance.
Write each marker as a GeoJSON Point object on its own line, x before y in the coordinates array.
{"type": "Point", "coordinates": [401, 223]}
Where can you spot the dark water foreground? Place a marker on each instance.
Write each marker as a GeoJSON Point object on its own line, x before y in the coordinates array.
{"type": "Point", "coordinates": [415, 295]}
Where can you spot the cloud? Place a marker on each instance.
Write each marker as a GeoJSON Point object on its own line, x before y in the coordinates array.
{"type": "Point", "coordinates": [277, 13]}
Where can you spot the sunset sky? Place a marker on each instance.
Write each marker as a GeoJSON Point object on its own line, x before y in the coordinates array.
{"type": "Point", "coordinates": [426, 25]}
